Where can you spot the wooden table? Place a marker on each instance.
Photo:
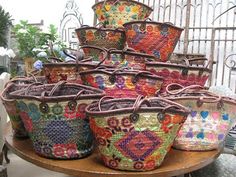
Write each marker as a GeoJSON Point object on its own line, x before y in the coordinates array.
{"type": "Point", "coordinates": [176, 162]}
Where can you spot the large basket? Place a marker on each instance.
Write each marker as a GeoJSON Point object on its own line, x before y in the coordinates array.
{"type": "Point", "coordinates": [10, 103]}
{"type": "Point", "coordinates": [114, 13]}
{"type": "Point", "coordinates": [102, 37]}
{"type": "Point", "coordinates": [209, 121]}
{"type": "Point", "coordinates": [135, 134]}
{"type": "Point", "coordinates": [154, 38]}
{"type": "Point", "coordinates": [123, 83]}
{"type": "Point", "coordinates": [188, 72]}
{"type": "Point", "coordinates": [54, 116]}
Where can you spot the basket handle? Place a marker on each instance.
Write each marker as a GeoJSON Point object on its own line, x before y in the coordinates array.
{"type": "Point", "coordinates": [100, 101]}
{"type": "Point", "coordinates": [213, 99]}
{"type": "Point", "coordinates": [57, 86]}
{"type": "Point", "coordinates": [182, 88]}
{"type": "Point", "coordinates": [78, 94]}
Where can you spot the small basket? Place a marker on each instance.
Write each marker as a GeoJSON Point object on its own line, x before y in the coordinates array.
{"type": "Point", "coordinates": [114, 13]}
{"type": "Point", "coordinates": [54, 116]}
{"type": "Point", "coordinates": [185, 72]}
{"type": "Point", "coordinates": [102, 37]}
{"type": "Point", "coordinates": [68, 71]}
{"type": "Point", "coordinates": [128, 58]}
{"type": "Point", "coordinates": [153, 38]}
{"type": "Point", "coordinates": [209, 121]}
{"type": "Point", "coordinates": [9, 102]}
{"type": "Point", "coordinates": [135, 134]}
{"type": "Point", "coordinates": [123, 82]}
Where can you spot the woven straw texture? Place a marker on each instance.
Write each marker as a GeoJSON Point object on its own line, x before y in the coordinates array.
{"type": "Point", "coordinates": [102, 37]}
{"type": "Point", "coordinates": [179, 73]}
{"type": "Point", "coordinates": [115, 13]}
{"type": "Point", "coordinates": [122, 83]}
{"type": "Point", "coordinates": [57, 124]}
{"type": "Point", "coordinates": [158, 39]}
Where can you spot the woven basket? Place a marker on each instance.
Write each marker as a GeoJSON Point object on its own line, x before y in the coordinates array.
{"type": "Point", "coordinates": [10, 103]}
{"type": "Point", "coordinates": [68, 71]}
{"type": "Point", "coordinates": [123, 83]}
{"type": "Point", "coordinates": [54, 115]}
{"type": "Point", "coordinates": [209, 121]}
{"type": "Point", "coordinates": [154, 38]}
{"type": "Point", "coordinates": [186, 73]}
{"type": "Point", "coordinates": [102, 37]}
{"type": "Point", "coordinates": [135, 134]}
{"type": "Point", "coordinates": [114, 13]}
{"type": "Point", "coordinates": [128, 59]}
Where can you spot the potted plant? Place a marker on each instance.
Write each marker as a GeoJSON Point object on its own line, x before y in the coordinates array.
{"type": "Point", "coordinates": [31, 41]}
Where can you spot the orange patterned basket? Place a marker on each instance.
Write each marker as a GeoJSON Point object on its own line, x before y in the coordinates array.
{"type": "Point", "coordinates": [154, 38]}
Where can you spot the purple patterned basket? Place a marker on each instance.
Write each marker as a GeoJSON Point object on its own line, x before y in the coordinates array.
{"type": "Point", "coordinates": [135, 134]}
{"type": "Point", "coordinates": [54, 116]}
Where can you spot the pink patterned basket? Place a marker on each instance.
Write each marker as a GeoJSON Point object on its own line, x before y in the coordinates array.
{"type": "Point", "coordinates": [135, 134]}
{"type": "Point", "coordinates": [122, 82]}
{"type": "Point", "coordinates": [209, 121]}
{"type": "Point", "coordinates": [153, 38]}
{"type": "Point", "coordinates": [114, 13]}
{"type": "Point", "coordinates": [188, 72]}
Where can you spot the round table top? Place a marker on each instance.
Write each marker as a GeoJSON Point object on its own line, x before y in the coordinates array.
{"type": "Point", "coordinates": [176, 162]}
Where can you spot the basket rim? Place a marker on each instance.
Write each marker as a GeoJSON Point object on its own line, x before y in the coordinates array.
{"type": "Point", "coordinates": [153, 23]}
{"type": "Point", "coordinates": [133, 53]}
{"type": "Point", "coordinates": [175, 65]}
{"type": "Point", "coordinates": [136, 2]}
{"type": "Point", "coordinates": [191, 97]}
{"type": "Point", "coordinates": [130, 72]}
{"type": "Point", "coordinates": [130, 110]}
{"type": "Point", "coordinates": [99, 93]}
{"type": "Point", "coordinates": [75, 64]}
{"type": "Point", "coordinates": [3, 95]}
{"type": "Point", "coordinates": [99, 29]}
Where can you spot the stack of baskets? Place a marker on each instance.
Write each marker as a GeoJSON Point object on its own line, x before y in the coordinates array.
{"type": "Point", "coordinates": [151, 95]}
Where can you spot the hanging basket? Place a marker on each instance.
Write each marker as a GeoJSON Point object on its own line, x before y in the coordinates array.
{"type": "Point", "coordinates": [154, 38]}
{"type": "Point", "coordinates": [123, 82]}
{"type": "Point", "coordinates": [186, 72]}
{"type": "Point", "coordinates": [9, 102]}
{"type": "Point", "coordinates": [54, 116]}
{"type": "Point", "coordinates": [135, 134]}
{"type": "Point", "coordinates": [114, 13]}
{"type": "Point", "coordinates": [209, 121]}
{"type": "Point", "coordinates": [102, 37]}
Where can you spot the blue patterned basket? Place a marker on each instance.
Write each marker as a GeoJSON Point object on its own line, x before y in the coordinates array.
{"type": "Point", "coordinates": [54, 116]}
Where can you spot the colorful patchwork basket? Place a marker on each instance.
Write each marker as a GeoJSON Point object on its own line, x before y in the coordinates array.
{"type": "Point", "coordinates": [123, 83]}
{"type": "Point", "coordinates": [10, 103]}
{"type": "Point", "coordinates": [128, 59]}
{"type": "Point", "coordinates": [135, 134]}
{"type": "Point", "coordinates": [102, 37]}
{"type": "Point", "coordinates": [54, 116]}
{"type": "Point", "coordinates": [188, 72]}
{"type": "Point", "coordinates": [209, 121]}
{"type": "Point", "coordinates": [68, 71]}
{"type": "Point", "coordinates": [154, 38]}
{"type": "Point", "coordinates": [114, 13]}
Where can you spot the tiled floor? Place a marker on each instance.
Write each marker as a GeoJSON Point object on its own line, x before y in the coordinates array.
{"type": "Point", "coordinates": [20, 168]}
